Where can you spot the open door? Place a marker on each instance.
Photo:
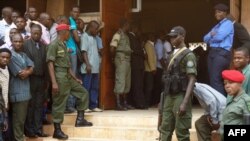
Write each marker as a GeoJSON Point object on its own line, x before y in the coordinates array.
{"type": "Point", "coordinates": [112, 12]}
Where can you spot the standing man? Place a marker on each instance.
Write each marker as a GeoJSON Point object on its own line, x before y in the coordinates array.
{"type": "Point", "coordinates": [21, 67]}
{"type": "Point", "coordinates": [220, 40]}
{"type": "Point", "coordinates": [137, 68]}
{"type": "Point", "coordinates": [150, 69]}
{"type": "Point", "coordinates": [6, 23]}
{"type": "Point", "coordinates": [239, 104]}
{"type": "Point", "coordinates": [120, 50]}
{"type": "Point", "coordinates": [241, 35]}
{"type": "Point", "coordinates": [213, 103]}
{"type": "Point", "coordinates": [63, 82]}
{"type": "Point", "coordinates": [36, 51]}
{"type": "Point", "coordinates": [44, 22]}
{"type": "Point", "coordinates": [241, 63]}
{"type": "Point", "coordinates": [5, 55]}
{"type": "Point", "coordinates": [90, 67]}
{"type": "Point", "coordinates": [31, 16]}
{"type": "Point", "coordinates": [179, 78]}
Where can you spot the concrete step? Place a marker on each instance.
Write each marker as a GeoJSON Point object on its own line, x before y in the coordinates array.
{"type": "Point", "coordinates": [131, 118]}
{"type": "Point", "coordinates": [193, 137]}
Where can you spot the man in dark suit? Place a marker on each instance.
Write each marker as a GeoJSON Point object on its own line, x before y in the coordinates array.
{"type": "Point", "coordinates": [241, 35]}
{"type": "Point", "coordinates": [137, 68]}
{"type": "Point", "coordinates": [36, 51]}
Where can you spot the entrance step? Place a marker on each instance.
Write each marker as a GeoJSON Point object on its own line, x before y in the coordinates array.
{"type": "Point", "coordinates": [133, 125]}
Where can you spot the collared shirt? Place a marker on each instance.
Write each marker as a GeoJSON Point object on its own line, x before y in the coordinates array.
{"type": "Point", "coordinates": [19, 88]}
{"type": "Point", "coordinates": [224, 32]}
{"type": "Point", "coordinates": [246, 83]}
{"type": "Point", "coordinates": [4, 26]}
{"type": "Point", "coordinates": [89, 44]}
{"type": "Point", "coordinates": [53, 32]}
{"type": "Point", "coordinates": [24, 34]}
{"type": "Point", "coordinates": [4, 82]}
{"type": "Point", "coordinates": [159, 52]}
{"type": "Point", "coordinates": [58, 53]}
{"type": "Point", "coordinates": [7, 45]}
{"type": "Point", "coordinates": [211, 101]}
{"type": "Point", "coordinates": [71, 44]}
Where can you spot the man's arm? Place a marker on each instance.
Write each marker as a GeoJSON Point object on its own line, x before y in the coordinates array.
{"type": "Point", "coordinates": [188, 93]}
{"type": "Point", "coordinates": [86, 61]}
{"type": "Point", "coordinates": [52, 77]}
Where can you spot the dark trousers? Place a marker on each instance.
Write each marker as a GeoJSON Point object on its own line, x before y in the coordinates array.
{"type": "Point", "coordinates": [33, 122]}
{"type": "Point", "coordinates": [19, 112]}
{"type": "Point", "coordinates": [136, 94]}
{"type": "Point", "coordinates": [148, 87]}
{"type": "Point", "coordinates": [158, 86]}
{"type": "Point", "coordinates": [218, 60]}
{"type": "Point", "coordinates": [91, 83]}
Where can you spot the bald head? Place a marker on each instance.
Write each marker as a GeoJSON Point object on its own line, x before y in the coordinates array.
{"type": "Point", "coordinates": [6, 13]}
{"type": "Point", "coordinates": [45, 19]}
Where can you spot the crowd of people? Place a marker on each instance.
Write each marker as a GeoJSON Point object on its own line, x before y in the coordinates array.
{"type": "Point", "coordinates": [225, 99]}
{"type": "Point", "coordinates": [46, 61]}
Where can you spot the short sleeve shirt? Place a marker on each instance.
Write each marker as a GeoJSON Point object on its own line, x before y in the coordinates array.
{"type": "Point", "coordinates": [89, 44]}
{"type": "Point", "coordinates": [189, 64]}
{"type": "Point", "coordinates": [57, 53]}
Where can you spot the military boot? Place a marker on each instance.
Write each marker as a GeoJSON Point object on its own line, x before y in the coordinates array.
{"type": "Point", "coordinates": [80, 121]}
{"type": "Point", "coordinates": [58, 133]}
{"type": "Point", "coordinates": [119, 106]}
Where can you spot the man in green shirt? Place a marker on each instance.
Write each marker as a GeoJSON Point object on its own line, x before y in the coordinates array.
{"type": "Point", "coordinates": [179, 78]}
{"type": "Point", "coordinates": [64, 82]}
{"type": "Point", "coordinates": [239, 104]}
{"type": "Point", "coordinates": [240, 62]}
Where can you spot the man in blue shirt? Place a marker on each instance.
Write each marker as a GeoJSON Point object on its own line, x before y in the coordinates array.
{"type": "Point", "coordinates": [220, 40]}
{"type": "Point", "coordinates": [213, 104]}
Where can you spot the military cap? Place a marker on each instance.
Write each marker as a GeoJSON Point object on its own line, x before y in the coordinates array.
{"type": "Point", "coordinates": [62, 27]}
{"type": "Point", "coordinates": [233, 75]}
{"type": "Point", "coordinates": [177, 30]}
{"type": "Point", "coordinates": [221, 7]}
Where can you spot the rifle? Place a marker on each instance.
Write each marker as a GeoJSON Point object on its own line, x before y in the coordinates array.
{"type": "Point", "coordinates": [166, 81]}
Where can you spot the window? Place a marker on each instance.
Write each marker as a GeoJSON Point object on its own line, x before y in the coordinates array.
{"type": "Point", "coordinates": [89, 6]}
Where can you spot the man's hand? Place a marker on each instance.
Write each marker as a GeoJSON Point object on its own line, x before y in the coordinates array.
{"type": "Point", "coordinates": [55, 88]}
{"type": "Point", "coordinates": [88, 69]}
{"type": "Point", "coordinates": [182, 110]}
{"type": "Point", "coordinates": [214, 126]}
{"type": "Point", "coordinates": [23, 74]}
{"type": "Point", "coordinates": [79, 81]}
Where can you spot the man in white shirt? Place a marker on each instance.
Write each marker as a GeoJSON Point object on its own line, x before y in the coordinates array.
{"type": "Point", "coordinates": [6, 23]}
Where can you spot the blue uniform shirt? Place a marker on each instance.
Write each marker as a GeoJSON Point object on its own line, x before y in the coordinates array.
{"type": "Point", "coordinates": [223, 37]}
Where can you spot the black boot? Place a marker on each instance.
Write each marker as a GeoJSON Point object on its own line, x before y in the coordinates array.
{"type": "Point", "coordinates": [58, 133]}
{"type": "Point", "coordinates": [125, 103]}
{"type": "Point", "coordinates": [119, 106]}
{"type": "Point", "coordinates": [80, 121]}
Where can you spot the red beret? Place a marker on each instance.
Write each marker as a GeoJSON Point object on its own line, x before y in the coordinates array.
{"type": "Point", "coordinates": [62, 27]}
{"type": "Point", "coordinates": [233, 75]}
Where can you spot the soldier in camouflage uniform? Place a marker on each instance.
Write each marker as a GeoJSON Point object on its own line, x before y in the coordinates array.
{"type": "Point", "coordinates": [121, 51]}
{"type": "Point", "coordinates": [239, 104]}
{"type": "Point", "coordinates": [179, 78]}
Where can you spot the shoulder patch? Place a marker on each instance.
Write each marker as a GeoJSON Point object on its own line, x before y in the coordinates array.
{"type": "Point", "coordinates": [190, 64]}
